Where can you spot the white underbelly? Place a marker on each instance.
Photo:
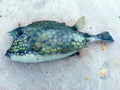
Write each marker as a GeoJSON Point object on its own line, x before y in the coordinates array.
{"type": "Point", "coordinates": [31, 58]}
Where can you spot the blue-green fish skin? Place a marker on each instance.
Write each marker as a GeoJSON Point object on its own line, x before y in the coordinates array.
{"type": "Point", "coordinates": [49, 40]}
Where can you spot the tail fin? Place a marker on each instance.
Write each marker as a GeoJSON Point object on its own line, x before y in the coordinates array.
{"type": "Point", "coordinates": [105, 36]}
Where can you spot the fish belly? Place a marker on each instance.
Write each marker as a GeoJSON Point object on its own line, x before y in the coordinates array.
{"type": "Point", "coordinates": [32, 58]}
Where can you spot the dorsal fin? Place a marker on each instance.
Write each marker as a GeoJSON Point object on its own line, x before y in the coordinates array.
{"type": "Point", "coordinates": [80, 23]}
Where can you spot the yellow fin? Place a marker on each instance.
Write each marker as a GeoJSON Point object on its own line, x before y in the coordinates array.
{"type": "Point", "coordinates": [80, 23]}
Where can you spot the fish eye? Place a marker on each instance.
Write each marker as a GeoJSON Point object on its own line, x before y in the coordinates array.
{"type": "Point", "coordinates": [19, 32]}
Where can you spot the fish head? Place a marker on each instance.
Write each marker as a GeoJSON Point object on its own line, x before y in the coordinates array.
{"type": "Point", "coordinates": [20, 50]}
{"type": "Point", "coordinates": [21, 47]}
{"type": "Point", "coordinates": [20, 44]}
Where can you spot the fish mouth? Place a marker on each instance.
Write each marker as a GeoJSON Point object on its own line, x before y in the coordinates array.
{"type": "Point", "coordinates": [8, 55]}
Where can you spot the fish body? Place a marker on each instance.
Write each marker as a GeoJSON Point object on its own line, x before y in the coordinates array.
{"type": "Point", "coordinates": [49, 40]}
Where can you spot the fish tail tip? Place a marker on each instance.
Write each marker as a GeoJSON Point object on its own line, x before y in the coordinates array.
{"type": "Point", "coordinates": [105, 36]}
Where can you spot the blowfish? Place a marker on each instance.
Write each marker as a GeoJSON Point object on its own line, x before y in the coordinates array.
{"type": "Point", "coordinates": [50, 40]}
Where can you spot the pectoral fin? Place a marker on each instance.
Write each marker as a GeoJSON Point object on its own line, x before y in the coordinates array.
{"type": "Point", "coordinates": [80, 23]}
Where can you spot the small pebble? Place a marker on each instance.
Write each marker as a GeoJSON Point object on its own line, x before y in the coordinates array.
{"type": "Point", "coordinates": [102, 73]}
{"type": "Point", "coordinates": [87, 77]}
{"type": "Point", "coordinates": [103, 47]}
{"type": "Point", "coordinates": [119, 17]}
{"type": "Point", "coordinates": [117, 62]}
{"type": "Point", "coordinates": [90, 27]}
